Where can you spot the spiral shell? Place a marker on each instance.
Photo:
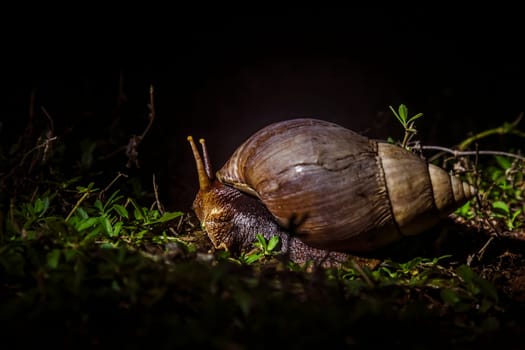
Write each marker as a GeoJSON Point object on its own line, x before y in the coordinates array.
{"type": "Point", "coordinates": [338, 190]}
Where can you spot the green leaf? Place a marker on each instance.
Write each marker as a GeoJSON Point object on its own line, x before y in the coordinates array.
{"type": "Point", "coordinates": [167, 217]}
{"type": "Point", "coordinates": [403, 113]}
{"type": "Point", "coordinates": [37, 206]}
{"type": "Point", "coordinates": [53, 257]}
{"type": "Point", "coordinates": [250, 259]}
{"type": "Point", "coordinates": [273, 243]}
{"type": "Point", "coordinates": [112, 199]}
{"type": "Point", "coordinates": [82, 213]}
{"type": "Point", "coordinates": [397, 116]}
{"type": "Point", "coordinates": [262, 241]}
{"type": "Point", "coordinates": [108, 245]}
{"type": "Point", "coordinates": [465, 211]}
{"type": "Point", "coordinates": [89, 188]}
{"type": "Point", "coordinates": [121, 210]}
{"type": "Point", "coordinates": [442, 257]}
{"type": "Point", "coordinates": [116, 228]}
{"type": "Point", "coordinates": [515, 214]}
{"type": "Point", "coordinates": [41, 206]}
{"type": "Point", "coordinates": [140, 234]}
{"type": "Point", "coordinates": [99, 206]}
{"type": "Point", "coordinates": [153, 214]}
{"type": "Point", "coordinates": [138, 214]}
{"type": "Point", "coordinates": [87, 223]}
{"type": "Point", "coordinates": [107, 225]}
{"type": "Point", "coordinates": [384, 269]}
{"type": "Point", "coordinates": [415, 117]}
{"type": "Point", "coordinates": [89, 237]}
{"type": "Point", "coordinates": [503, 162]}
{"type": "Point", "coordinates": [409, 265]}
{"type": "Point", "coordinates": [138, 211]}
{"type": "Point", "coordinates": [501, 206]}
{"type": "Point", "coordinates": [170, 216]}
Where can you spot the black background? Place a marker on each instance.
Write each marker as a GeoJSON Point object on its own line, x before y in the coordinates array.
{"type": "Point", "coordinates": [222, 73]}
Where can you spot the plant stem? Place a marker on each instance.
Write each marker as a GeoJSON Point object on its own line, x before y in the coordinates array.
{"type": "Point", "coordinates": [501, 130]}
{"type": "Point", "coordinates": [77, 204]}
{"type": "Point", "coordinates": [457, 153]}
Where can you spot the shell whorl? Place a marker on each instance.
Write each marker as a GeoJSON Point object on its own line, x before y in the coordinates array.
{"type": "Point", "coordinates": [420, 194]}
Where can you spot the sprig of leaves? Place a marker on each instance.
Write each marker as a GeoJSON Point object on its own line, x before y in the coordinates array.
{"type": "Point", "coordinates": [407, 123]}
{"type": "Point", "coordinates": [262, 249]}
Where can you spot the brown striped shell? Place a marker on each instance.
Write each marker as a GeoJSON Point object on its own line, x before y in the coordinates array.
{"type": "Point", "coordinates": [347, 192]}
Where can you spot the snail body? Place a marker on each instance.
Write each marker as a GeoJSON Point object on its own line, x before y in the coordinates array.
{"type": "Point", "coordinates": [334, 189]}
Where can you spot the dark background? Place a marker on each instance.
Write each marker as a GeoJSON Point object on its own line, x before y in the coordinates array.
{"type": "Point", "coordinates": [222, 73]}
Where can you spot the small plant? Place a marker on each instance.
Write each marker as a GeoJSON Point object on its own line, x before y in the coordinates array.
{"type": "Point", "coordinates": [407, 123]}
{"type": "Point", "coordinates": [34, 212]}
{"type": "Point", "coordinates": [266, 247]}
{"type": "Point", "coordinates": [504, 196]}
{"type": "Point", "coordinates": [118, 217]}
{"type": "Point", "coordinates": [466, 211]}
{"type": "Point", "coordinates": [502, 210]}
{"type": "Point", "coordinates": [263, 248]}
{"type": "Point", "coordinates": [459, 288]}
{"type": "Point", "coordinates": [91, 219]}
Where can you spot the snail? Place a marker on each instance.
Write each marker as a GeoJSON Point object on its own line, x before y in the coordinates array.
{"type": "Point", "coordinates": [324, 190]}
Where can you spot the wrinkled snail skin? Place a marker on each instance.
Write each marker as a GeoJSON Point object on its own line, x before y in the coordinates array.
{"type": "Point", "coordinates": [349, 193]}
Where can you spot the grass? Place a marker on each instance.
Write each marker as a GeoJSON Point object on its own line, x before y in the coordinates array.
{"type": "Point", "coordinates": [96, 262]}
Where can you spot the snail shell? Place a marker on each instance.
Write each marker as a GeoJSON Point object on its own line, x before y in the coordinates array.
{"type": "Point", "coordinates": [338, 190]}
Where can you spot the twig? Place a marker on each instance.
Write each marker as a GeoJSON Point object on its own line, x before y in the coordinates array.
{"type": "Point", "coordinates": [179, 224]}
{"type": "Point", "coordinates": [479, 254]}
{"type": "Point", "coordinates": [119, 175]}
{"type": "Point", "coordinates": [131, 149]}
{"type": "Point", "coordinates": [457, 153]}
{"type": "Point", "coordinates": [160, 207]}
{"type": "Point", "coordinates": [51, 124]}
{"type": "Point", "coordinates": [362, 273]}
{"type": "Point", "coordinates": [134, 141]}
{"type": "Point", "coordinates": [156, 192]}
{"type": "Point", "coordinates": [49, 134]}
{"type": "Point", "coordinates": [483, 249]}
{"type": "Point", "coordinates": [43, 144]}
{"type": "Point", "coordinates": [77, 204]}
{"type": "Point", "coordinates": [151, 114]}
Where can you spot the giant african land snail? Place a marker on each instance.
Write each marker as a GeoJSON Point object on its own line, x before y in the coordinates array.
{"type": "Point", "coordinates": [334, 190]}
